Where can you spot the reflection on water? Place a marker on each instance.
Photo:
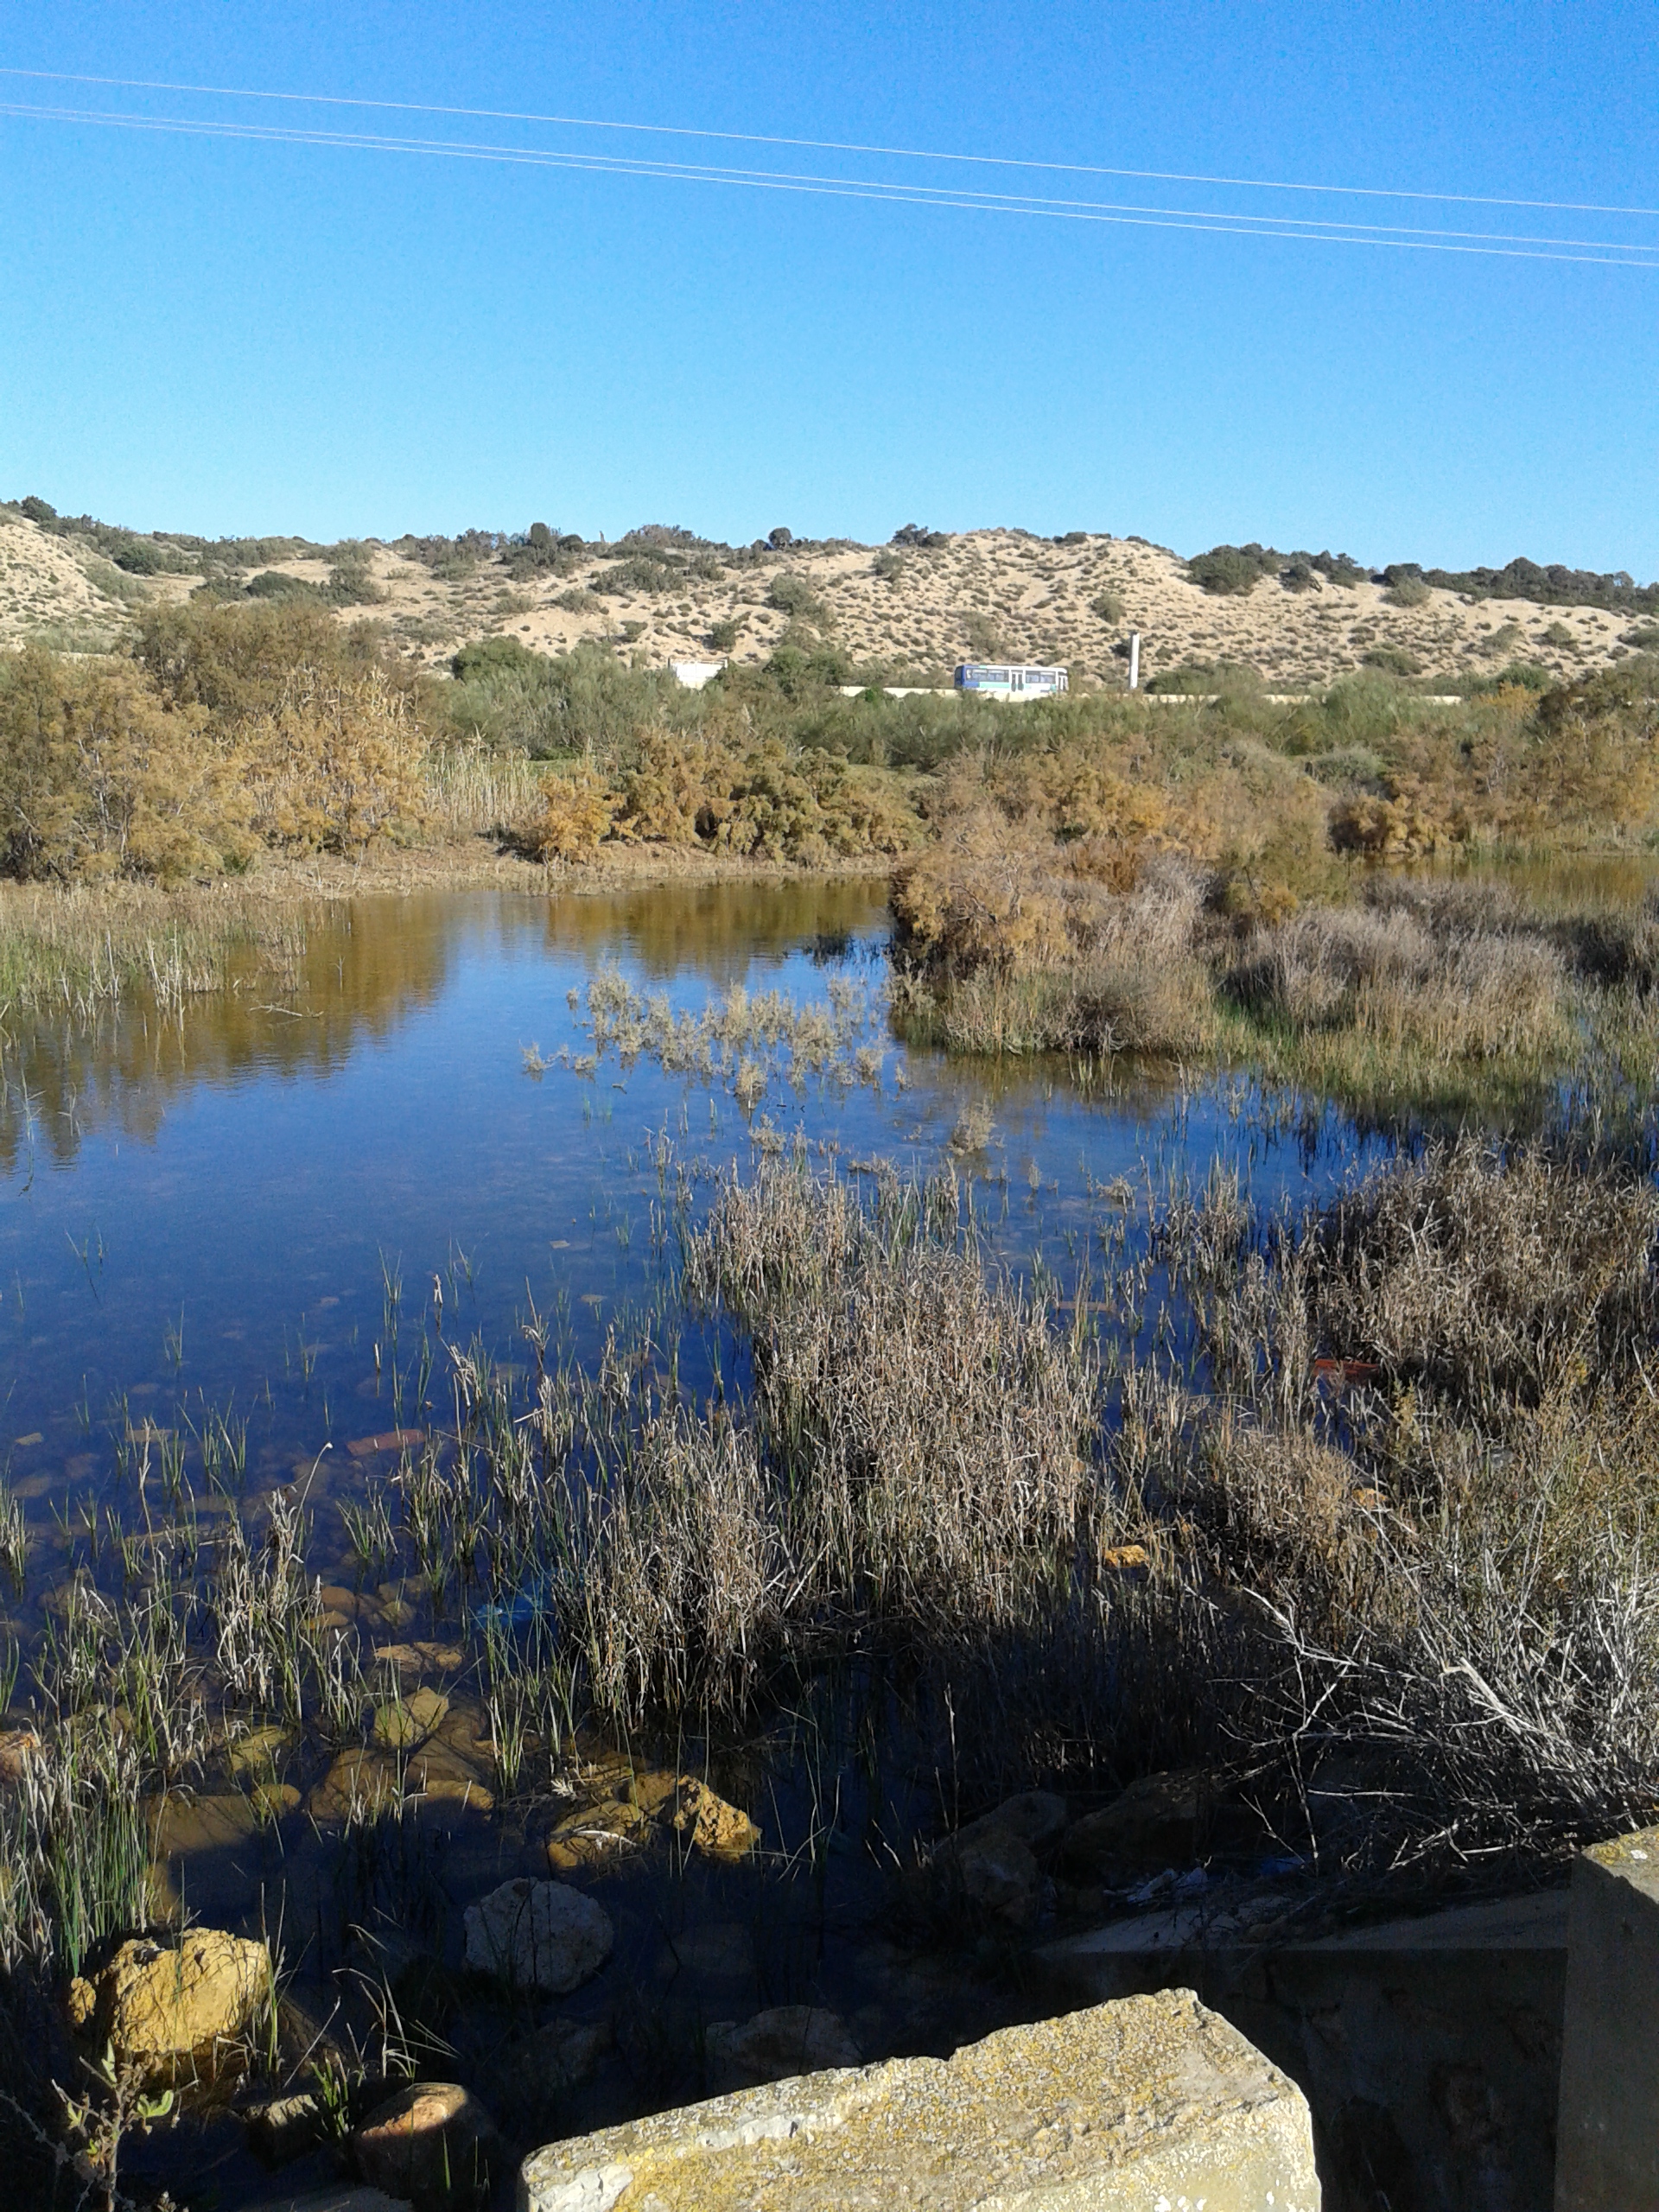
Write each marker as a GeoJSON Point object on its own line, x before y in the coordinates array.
{"type": "Point", "coordinates": [368, 964]}
{"type": "Point", "coordinates": [232, 1207]}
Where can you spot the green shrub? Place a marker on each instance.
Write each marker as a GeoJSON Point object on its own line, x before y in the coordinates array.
{"type": "Point", "coordinates": [1227, 570]}
{"type": "Point", "coordinates": [723, 636]}
{"type": "Point", "coordinates": [1108, 605]}
{"type": "Point", "coordinates": [272, 584]}
{"type": "Point", "coordinates": [794, 595]}
{"type": "Point", "coordinates": [1392, 660]}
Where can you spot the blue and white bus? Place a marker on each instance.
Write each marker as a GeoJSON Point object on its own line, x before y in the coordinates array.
{"type": "Point", "coordinates": [994, 682]}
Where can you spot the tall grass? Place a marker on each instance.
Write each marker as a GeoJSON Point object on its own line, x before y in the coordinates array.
{"type": "Point", "coordinates": [470, 793]}
{"type": "Point", "coordinates": [79, 948]}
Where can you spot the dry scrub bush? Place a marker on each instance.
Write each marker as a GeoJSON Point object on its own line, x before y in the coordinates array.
{"type": "Point", "coordinates": [1389, 978]}
{"type": "Point", "coordinates": [576, 814]}
{"type": "Point", "coordinates": [1448, 1555]}
{"type": "Point", "coordinates": [334, 763]}
{"type": "Point", "coordinates": [751, 797]}
{"type": "Point", "coordinates": [99, 779]}
{"type": "Point", "coordinates": [758, 798]}
{"type": "Point", "coordinates": [925, 1427]}
{"type": "Point", "coordinates": [232, 728]}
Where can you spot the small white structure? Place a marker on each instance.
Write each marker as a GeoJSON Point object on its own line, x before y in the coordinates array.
{"type": "Point", "coordinates": [991, 681]}
{"type": "Point", "coordinates": [694, 674]}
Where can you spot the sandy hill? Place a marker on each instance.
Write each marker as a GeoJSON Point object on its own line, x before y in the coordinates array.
{"type": "Point", "coordinates": [915, 610]}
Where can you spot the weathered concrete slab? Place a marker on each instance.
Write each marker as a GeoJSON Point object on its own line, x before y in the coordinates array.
{"type": "Point", "coordinates": [1428, 2047]}
{"type": "Point", "coordinates": [1607, 2129]}
{"type": "Point", "coordinates": [1152, 2102]}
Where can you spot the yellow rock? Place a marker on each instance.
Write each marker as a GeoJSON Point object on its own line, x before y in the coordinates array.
{"type": "Point", "coordinates": [259, 1751]}
{"type": "Point", "coordinates": [713, 1825]}
{"type": "Point", "coordinates": [405, 1721]}
{"type": "Point", "coordinates": [598, 1835]}
{"type": "Point", "coordinates": [1148, 2101]}
{"type": "Point", "coordinates": [175, 2013]}
{"type": "Point", "coordinates": [369, 1780]}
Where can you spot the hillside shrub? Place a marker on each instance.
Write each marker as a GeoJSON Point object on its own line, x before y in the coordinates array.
{"type": "Point", "coordinates": [1226, 571]}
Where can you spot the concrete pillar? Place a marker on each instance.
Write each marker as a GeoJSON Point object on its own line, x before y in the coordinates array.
{"type": "Point", "coordinates": [1607, 2126]}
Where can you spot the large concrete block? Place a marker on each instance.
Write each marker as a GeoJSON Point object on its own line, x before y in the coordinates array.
{"type": "Point", "coordinates": [1152, 2104]}
{"type": "Point", "coordinates": [1607, 2125]}
{"type": "Point", "coordinates": [1428, 2049]}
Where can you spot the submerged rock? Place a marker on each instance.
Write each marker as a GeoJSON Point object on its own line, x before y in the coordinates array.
{"type": "Point", "coordinates": [547, 2065]}
{"type": "Point", "coordinates": [401, 1722]}
{"type": "Point", "coordinates": [790, 2039]}
{"type": "Point", "coordinates": [598, 1835]}
{"type": "Point", "coordinates": [433, 2143]}
{"type": "Point", "coordinates": [995, 1855]}
{"type": "Point", "coordinates": [18, 1747]}
{"type": "Point", "coordinates": [642, 1801]}
{"type": "Point", "coordinates": [1001, 1874]}
{"type": "Point", "coordinates": [175, 2012]}
{"type": "Point", "coordinates": [539, 1935]}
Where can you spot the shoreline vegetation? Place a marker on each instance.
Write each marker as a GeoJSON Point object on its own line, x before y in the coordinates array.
{"type": "Point", "coordinates": [1336, 1518]}
{"type": "Point", "coordinates": [1092, 875]}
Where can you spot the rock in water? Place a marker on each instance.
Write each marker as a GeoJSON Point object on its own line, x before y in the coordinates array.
{"type": "Point", "coordinates": [1035, 1817]}
{"type": "Point", "coordinates": [173, 2012]}
{"type": "Point", "coordinates": [1001, 1874]}
{"type": "Point", "coordinates": [539, 1935]}
{"type": "Point", "coordinates": [789, 2039]}
{"type": "Point", "coordinates": [432, 2144]}
{"type": "Point", "coordinates": [995, 1855]}
{"type": "Point", "coordinates": [1148, 2101]}
{"type": "Point", "coordinates": [721, 1830]}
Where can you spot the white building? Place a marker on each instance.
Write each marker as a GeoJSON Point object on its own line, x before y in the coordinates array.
{"type": "Point", "coordinates": [694, 674]}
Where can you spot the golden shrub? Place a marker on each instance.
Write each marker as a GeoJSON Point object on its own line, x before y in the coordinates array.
{"type": "Point", "coordinates": [336, 763]}
{"type": "Point", "coordinates": [577, 814]}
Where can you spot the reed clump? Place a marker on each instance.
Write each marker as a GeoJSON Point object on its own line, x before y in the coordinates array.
{"type": "Point", "coordinates": [78, 949]}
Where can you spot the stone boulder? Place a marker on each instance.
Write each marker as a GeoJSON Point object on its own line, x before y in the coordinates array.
{"type": "Point", "coordinates": [175, 2013]}
{"type": "Point", "coordinates": [789, 2039]}
{"type": "Point", "coordinates": [995, 1856]}
{"type": "Point", "coordinates": [539, 1935]}
{"type": "Point", "coordinates": [1156, 1822]}
{"type": "Point", "coordinates": [1152, 2101]}
{"type": "Point", "coordinates": [433, 2144]}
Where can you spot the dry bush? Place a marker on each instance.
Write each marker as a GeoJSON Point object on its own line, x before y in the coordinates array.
{"type": "Point", "coordinates": [1382, 973]}
{"type": "Point", "coordinates": [576, 814]}
{"type": "Point", "coordinates": [759, 798]}
{"type": "Point", "coordinates": [674, 1588]}
{"type": "Point", "coordinates": [99, 778]}
{"type": "Point", "coordinates": [335, 763]}
{"type": "Point", "coordinates": [925, 1426]}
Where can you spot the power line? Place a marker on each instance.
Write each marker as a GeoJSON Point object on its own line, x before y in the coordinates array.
{"type": "Point", "coordinates": [916, 193]}
{"type": "Point", "coordinates": [1306, 229]}
{"type": "Point", "coordinates": [828, 145]}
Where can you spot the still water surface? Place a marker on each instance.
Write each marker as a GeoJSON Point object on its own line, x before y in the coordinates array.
{"type": "Point", "coordinates": [208, 1210]}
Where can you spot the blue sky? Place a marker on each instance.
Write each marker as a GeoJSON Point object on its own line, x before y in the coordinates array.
{"type": "Point", "coordinates": [211, 333]}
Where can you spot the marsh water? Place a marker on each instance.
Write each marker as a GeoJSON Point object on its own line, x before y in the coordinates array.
{"type": "Point", "coordinates": [216, 1209]}
{"type": "Point", "coordinates": [261, 1206]}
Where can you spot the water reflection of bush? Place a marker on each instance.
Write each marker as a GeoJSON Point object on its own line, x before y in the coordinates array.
{"type": "Point", "coordinates": [712, 930]}
{"type": "Point", "coordinates": [366, 965]}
